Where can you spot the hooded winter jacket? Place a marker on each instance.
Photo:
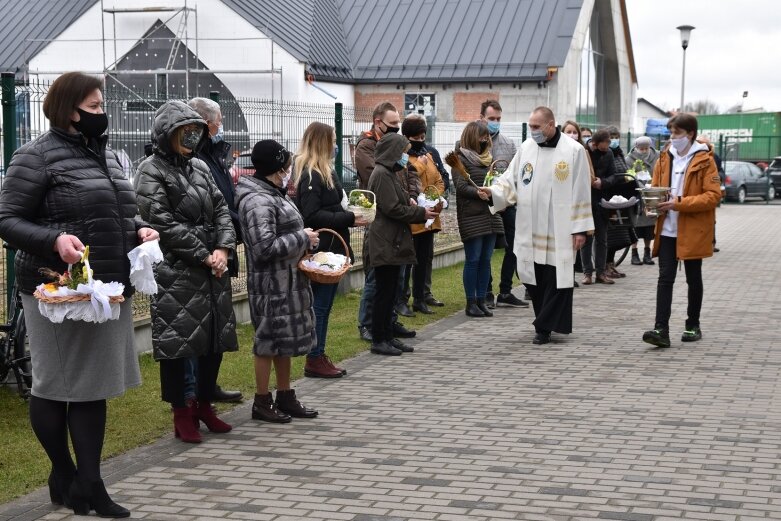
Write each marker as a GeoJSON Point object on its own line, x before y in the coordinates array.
{"type": "Point", "coordinates": [389, 239]}
{"type": "Point", "coordinates": [280, 295]}
{"type": "Point", "coordinates": [192, 313]}
{"type": "Point", "coordinates": [57, 183]}
{"type": "Point", "coordinates": [697, 205]}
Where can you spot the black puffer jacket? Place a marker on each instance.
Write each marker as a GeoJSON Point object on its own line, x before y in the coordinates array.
{"type": "Point", "coordinates": [56, 183]}
{"type": "Point", "coordinates": [192, 313]}
{"type": "Point", "coordinates": [321, 207]}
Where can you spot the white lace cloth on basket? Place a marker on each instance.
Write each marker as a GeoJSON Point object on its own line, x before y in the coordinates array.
{"type": "Point", "coordinates": [97, 309]}
{"type": "Point", "coordinates": [428, 203]}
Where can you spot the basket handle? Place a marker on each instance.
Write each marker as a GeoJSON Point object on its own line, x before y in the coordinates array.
{"type": "Point", "coordinates": [86, 265]}
{"type": "Point", "coordinates": [346, 249]}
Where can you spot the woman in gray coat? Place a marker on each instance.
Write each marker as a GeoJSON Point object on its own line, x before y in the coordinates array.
{"type": "Point", "coordinates": [389, 238]}
{"type": "Point", "coordinates": [192, 313]}
{"type": "Point", "coordinates": [280, 295]}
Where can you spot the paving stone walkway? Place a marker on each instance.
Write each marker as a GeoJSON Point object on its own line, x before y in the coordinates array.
{"type": "Point", "coordinates": [478, 424]}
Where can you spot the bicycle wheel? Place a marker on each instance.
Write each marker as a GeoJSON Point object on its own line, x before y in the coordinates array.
{"type": "Point", "coordinates": [22, 365]}
{"type": "Point", "coordinates": [623, 255]}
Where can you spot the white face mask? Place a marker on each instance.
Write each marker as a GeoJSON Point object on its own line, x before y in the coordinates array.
{"type": "Point", "coordinates": [538, 136]}
{"type": "Point", "coordinates": [680, 143]}
{"type": "Point", "coordinates": [286, 180]}
{"type": "Point", "coordinates": [573, 135]}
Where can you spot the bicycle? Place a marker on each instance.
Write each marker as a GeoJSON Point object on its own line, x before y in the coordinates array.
{"type": "Point", "coordinates": [14, 349]}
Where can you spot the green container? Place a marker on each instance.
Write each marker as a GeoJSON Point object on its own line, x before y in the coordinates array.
{"type": "Point", "coordinates": [747, 137]}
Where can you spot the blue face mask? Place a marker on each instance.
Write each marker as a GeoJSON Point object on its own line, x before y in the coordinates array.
{"type": "Point", "coordinates": [404, 159]}
{"type": "Point", "coordinates": [586, 140]}
{"type": "Point", "coordinates": [216, 138]}
{"type": "Point", "coordinates": [614, 143]}
{"type": "Point", "coordinates": [493, 126]}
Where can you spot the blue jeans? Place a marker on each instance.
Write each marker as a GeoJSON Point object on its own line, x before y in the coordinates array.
{"type": "Point", "coordinates": [324, 295]}
{"type": "Point", "coordinates": [477, 265]}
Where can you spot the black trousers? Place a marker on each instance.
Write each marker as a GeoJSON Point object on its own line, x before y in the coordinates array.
{"type": "Point", "coordinates": [552, 306]}
{"type": "Point", "coordinates": [668, 263]}
{"type": "Point", "coordinates": [424, 250]}
{"type": "Point", "coordinates": [509, 261]}
{"type": "Point", "coordinates": [386, 279]}
{"type": "Point", "coordinates": [172, 378]}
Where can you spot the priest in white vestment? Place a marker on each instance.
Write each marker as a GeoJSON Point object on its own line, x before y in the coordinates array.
{"type": "Point", "coordinates": [549, 180]}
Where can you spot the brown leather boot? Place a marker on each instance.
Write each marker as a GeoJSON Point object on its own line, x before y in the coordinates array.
{"type": "Point", "coordinates": [184, 426]}
{"type": "Point", "coordinates": [320, 367]}
{"type": "Point", "coordinates": [336, 367]}
{"type": "Point", "coordinates": [264, 409]}
{"type": "Point", "coordinates": [288, 403]}
{"type": "Point", "coordinates": [587, 280]}
{"type": "Point", "coordinates": [604, 279]}
{"type": "Point", "coordinates": [205, 413]}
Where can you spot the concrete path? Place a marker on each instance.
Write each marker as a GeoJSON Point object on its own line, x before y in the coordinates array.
{"type": "Point", "coordinates": [478, 424]}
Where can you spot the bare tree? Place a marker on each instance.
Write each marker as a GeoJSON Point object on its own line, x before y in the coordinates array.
{"type": "Point", "coordinates": [702, 107]}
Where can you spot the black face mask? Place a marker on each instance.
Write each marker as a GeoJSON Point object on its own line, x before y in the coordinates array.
{"type": "Point", "coordinates": [417, 147]}
{"type": "Point", "coordinates": [483, 146]}
{"type": "Point", "coordinates": [91, 125]}
{"type": "Point", "coordinates": [391, 130]}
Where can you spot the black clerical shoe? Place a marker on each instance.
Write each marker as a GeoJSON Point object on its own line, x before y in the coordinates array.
{"type": "Point", "coordinates": [541, 337]}
{"type": "Point", "coordinates": [399, 331]}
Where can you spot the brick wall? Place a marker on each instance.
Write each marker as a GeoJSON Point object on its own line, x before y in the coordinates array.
{"type": "Point", "coordinates": [466, 104]}
{"type": "Point", "coordinates": [370, 100]}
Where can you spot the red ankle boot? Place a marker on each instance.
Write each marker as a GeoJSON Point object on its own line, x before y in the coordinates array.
{"type": "Point", "coordinates": [205, 413]}
{"type": "Point", "coordinates": [184, 425]}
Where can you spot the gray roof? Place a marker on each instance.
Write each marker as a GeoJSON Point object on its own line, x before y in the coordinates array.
{"type": "Point", "coordinates": [366, 41]}
{"type": "Point", "coordinates": [447, 40]}
{"type": "Point", "coordinates": [310, 30]}
{"type": "Point", "coordinates": [33, 19]}
{"type": "Point", "coordinates": [387, 41]}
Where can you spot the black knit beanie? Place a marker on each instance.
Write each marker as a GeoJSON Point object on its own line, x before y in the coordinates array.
{"type": "Point", "coordinates": [268, 157]}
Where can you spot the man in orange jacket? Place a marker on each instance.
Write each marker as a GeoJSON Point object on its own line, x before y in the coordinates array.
{"type": "Point", "coordinates": [685, 227]}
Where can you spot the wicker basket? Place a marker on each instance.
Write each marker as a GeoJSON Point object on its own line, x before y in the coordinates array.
{"type": "Point", "coordinates": [325, 276]}
{"type": "Point", "coordinates": [72, 298]}
{"type": "Point", "coordinates": [367, 213]}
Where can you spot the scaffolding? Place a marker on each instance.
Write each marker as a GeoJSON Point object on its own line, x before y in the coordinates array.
{"type": "Point", "coordinates": [181, 35]}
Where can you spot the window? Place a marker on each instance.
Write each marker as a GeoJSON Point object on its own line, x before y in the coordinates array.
{"type": "Point", "coordinates": [424, 104]}
{"type": "Point", "coordinates": [591, 77]}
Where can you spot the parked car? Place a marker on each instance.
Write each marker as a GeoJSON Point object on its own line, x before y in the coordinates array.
{"type": "Point", "coordinates": [774, 171]}
{"type": "Point", "coordinates": [744, 180]}
{"type": "Point", "coordinates": [242, 165]}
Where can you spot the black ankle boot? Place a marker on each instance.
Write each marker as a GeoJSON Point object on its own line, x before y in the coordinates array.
{"type": "Point", "coordinates": [636, 258]}
{"type": "Point", "coordinates": [264, 409]}
{"type": "Point", "coordinates": [472, 310]}
{"type": "Point", "coordinates": [287, 403]}
{"type": "Point", "coordinates": [59, 488]}
{"type": "Point", "coordinates": [93, 496]}
{"type": "Point", "coordinates": [647, 257]}
{"type": "Point", "coordinates": [481, 304]}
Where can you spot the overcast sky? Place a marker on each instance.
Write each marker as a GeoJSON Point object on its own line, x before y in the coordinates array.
{"type": "Point", "coordinates": [735, 47]}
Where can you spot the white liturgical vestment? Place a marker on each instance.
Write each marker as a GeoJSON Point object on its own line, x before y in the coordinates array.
{"type": "Point", "coordinates": [552, 188]}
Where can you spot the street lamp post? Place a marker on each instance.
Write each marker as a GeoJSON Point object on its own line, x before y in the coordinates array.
{"type": "Point", "coordinates": [685, 35]}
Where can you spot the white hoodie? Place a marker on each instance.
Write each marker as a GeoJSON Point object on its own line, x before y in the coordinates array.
{"type": "Point", "coordinates": [680, 164]}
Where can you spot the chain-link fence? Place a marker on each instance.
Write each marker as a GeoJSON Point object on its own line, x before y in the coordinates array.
{"type": "Point", "coordinates": [245, 121]}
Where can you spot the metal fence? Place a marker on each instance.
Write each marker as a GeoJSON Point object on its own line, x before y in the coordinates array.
{"type": "Point", "coordinates": [245, 121]}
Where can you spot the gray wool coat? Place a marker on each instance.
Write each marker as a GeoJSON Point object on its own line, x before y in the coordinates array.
{"type": "Point", "coordinates": [280, 295]}
{"type": "Point", "coordinates": [192, 313]}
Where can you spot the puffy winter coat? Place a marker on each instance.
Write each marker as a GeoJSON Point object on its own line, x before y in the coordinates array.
{"type": "Point", "coordinates": [474, 217]}
{"type": "Point", "coordinates": [192, 313]}
{"type": "Point", "coordinates": [56, 183]}
{"type": "Point", "coordinates": [280, 295]}
{"type": "Point", "coordinates": [389, 239]}
{"type": "Point", "coordinates": [697, 205]}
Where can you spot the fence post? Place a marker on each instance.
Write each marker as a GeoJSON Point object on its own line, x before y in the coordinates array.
{"type": "Point", "coordinates": [338, 126]}
{"type": "Point", "coordinates": [214, 96]}
{"type": "Point", "coordinates": [8, 81]}
{"type": "Point", "coordinates": [524, 129]}
{"type": "Point", "coordinates": [721, 147]}
{"type": "Point", "coordinates": [629, 143]}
